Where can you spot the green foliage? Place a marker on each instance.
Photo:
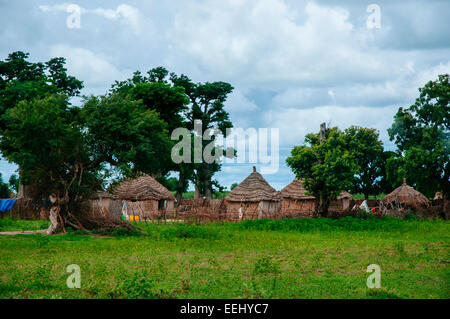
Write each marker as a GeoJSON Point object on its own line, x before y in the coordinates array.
{"type": "Point", "coordinates": [14, 182]}
{"type": "Point", "coordinates": [360, 222]}
{"type": "Point", "coordinates": [45, 138]}
{"type": "Point", "coordinates": [326, 168]}
{"type": "Point", "coordinates": [156, 93]}
{"type": "Point", "coordinates": [21, 80]}
{"type": "Point", "coordinates": [207, 104]}
{"type": "Point", "coordinates": [170, 183]}
{"type": "Point", "coordinates": [367, 153]}
{"type": "Point", "coordinates": [124, 133]}
{"type": "Point", "coordinates": [187, 231]}
{"type": "Point", "coordinates": [411, 216]}
{"type": "Point", "coordinates": [137, 285]}
{"type": "Point", "coordinates": [4, 188]}
{"type": "Point", "coordinates": [422, 135]}
{"type": "Point", "coordinates": [233, 186]}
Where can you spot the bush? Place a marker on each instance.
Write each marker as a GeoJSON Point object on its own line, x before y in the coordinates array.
{"type": "Point", "coordinates": [411, 216]}
{"type": "Point", "coordinates": [350, 223]}
{"type": "Point", "coordinates": [188, 231]}
{"type": "Point", "coordinates": [137, 285]}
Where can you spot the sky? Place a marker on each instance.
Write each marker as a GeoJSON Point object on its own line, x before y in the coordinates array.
{"type": "Point", "coordinates": [293, 64]}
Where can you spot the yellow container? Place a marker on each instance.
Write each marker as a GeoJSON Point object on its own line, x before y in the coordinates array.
{"type": "Point", "coordinates": [136, 218]}
{"type": "Point", "coordinates": [131, 218]}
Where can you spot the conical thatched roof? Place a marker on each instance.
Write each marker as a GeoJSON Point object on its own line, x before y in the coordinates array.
{"type": "Point", "coordinates": [295, 190]}
{"type": "Point", "coordinates": [142, 188]}
{"type": "Point", "coordinates": [344, 195]}
{"type": "Point", "coordinates": [103, 194]}
{"type": "Point", "coordinates": [253, 189]}
{"type": "Point", "coordinates": [407, 196]}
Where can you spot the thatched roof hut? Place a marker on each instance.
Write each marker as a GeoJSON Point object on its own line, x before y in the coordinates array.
{"type": "Point", "coordinates": [103, 194]}
{"type": "Point", "coordinates": [142, 188]}
{"type": "Point", "coordinates": [253, 189]}
{"type": "Point", "coordinates": [295, 202]}
{"type": "Point", "coordinates": [296, 191]}
{"type": "Point", "coordinates": [344, 195]}
{"type": "Point", "coordinates": [406, 196]}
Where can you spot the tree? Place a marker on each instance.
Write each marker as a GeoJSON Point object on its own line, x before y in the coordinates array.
{"type": "Point", "coordinates": [422, 135]}
{"type": "Point", "coordinates": [391, 175]}
{"type": "Point", "coordinates": [21, 80]}
{"type": "Point", "coordinates": [207, 105]}
{"type": "Point", "coordinates": [233, 186]}
{"type": "Point", "coordinates": [367, 152]}
{"type": "Point", "coordinates": [124, 133]}
{"type": "Point", "coordinates": [326, 167]}
{"type": "Point", "coordinates": [157, 93]}
{"type": "Point", "coordinates": [169, 183]}
{"type": "Point", "coordinates": [14, 182]}
{"type": "Point", "coordinates": [46, 140]}
{"type": "Point", "coordinates": [67, 151]}
{"type": "Point", "coordinates": [4, 188]}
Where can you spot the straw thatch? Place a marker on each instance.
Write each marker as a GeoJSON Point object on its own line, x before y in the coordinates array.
{"type": "Point", "coordinates": [295, 190]}
{"type": "Point", "coordinates": [407, 196]}
{"type": "Point", "coordinates": [438, 196]}
{"type": "Point", "coordinates": [344, 195]}
{"type": "Point", "coordinates": [142, 188]}
{"type": "Point", "coordinates": [103, 194]}
{"type": "Point", "coordinates": [253, 189]}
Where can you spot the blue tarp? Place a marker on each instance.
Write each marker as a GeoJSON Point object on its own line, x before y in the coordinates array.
{"type": "Point", "coordinates": [6, 204]}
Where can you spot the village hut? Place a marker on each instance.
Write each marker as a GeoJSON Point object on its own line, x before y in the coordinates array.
{"type": "Point", "coordinates": [341, 203]}
{"type": "Point", "coordinates": [253, 198]}
{"type": "Point", "coordinates": [405, 196]}
{"type": "Point", "coordinates": [345, 198]}
{"type": "Point", "coordinates": [438, 196]}
{"type": "Point", "coordinates": [106, 205]}
{"type": "Point", "coordinates": [145, 197]}
{"type": "Point", "coordinates": [295, 202]}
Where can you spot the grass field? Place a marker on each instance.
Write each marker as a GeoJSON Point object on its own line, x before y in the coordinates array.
{"type": "Point", "coordinates": [310, 258]}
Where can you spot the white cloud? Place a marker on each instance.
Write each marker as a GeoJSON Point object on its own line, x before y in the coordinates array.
{"type": "Point", "coordinates": [239, 103]}
{"type": "Point", "coordinates": [304, 121]}
{"type": "Point", "coordinates": [124, 13]}
{"type": "Point", "coordinates": [263, 43]}
{"type": "Point", "coordinates": [128, 14]}
{"type": "Point", "coordinates": [94, 69]}
{"type": "Point", "coordinates": [294, 64]}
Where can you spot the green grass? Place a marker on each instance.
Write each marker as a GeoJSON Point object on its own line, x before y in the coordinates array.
{"type": "Point", "coordinates": [191, 194]}
{"type": "Point", "coordinates": [8, 224]}
{"type": "Point", "coordinates": [308, 258]}
{"type": "Point", "coordinates": [361, 196]}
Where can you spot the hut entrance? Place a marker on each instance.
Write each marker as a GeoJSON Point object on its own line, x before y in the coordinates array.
{"type": "Point", "coordinates": [162, 204]}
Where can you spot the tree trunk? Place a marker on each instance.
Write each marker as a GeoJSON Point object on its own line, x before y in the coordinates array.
{"type": "Point", "coordinates": [54, 220]}
{"type": "Point", "coordinates": [322, 204]}
{"type": "Point", "coordinates": [197, 189]}
{"type": "Point", "coordinates": [207, 181]}
{"type": "Point", "coordinates": [180, 188]}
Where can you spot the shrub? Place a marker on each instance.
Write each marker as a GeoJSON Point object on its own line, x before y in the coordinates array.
{"type": "Point", "coordinates": [188, 231]}
{"type": "Point", "coordinates": [349, 223]}
{"type": "Point", "coordinates": [137, 286]}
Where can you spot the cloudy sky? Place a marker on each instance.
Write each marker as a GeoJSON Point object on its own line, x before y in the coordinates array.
{"type": "Point", "coordinates": [294, 64]}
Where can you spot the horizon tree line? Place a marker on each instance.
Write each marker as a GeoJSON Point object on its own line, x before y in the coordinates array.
{"type": "Point", "coordinates": [72, 150]}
